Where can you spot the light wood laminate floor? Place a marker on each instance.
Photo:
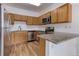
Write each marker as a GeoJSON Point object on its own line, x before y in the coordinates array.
{"type": "Point", "coordinates": [29, 49]}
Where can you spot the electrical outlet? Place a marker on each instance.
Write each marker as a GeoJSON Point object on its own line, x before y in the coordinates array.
{"type": "Point", "coordinates": [65, 26]}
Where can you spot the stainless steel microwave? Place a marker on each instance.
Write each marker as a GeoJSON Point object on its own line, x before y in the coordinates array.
{"type": "Point", "coordinates": [46, 20]}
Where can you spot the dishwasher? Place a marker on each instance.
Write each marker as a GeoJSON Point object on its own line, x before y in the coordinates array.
{"type": "Point", "coordinates": [30, 36]}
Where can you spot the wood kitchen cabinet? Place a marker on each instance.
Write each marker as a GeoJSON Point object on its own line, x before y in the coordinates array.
{"type": "Point", "coordinates": [29, 20]}
{"type": "Point", "coordinates": [33, 20]}
{"type": "Point", "coordinates": [40, 20]}
{"type": "Point", "coordinates": [42, 46]}
{"type": "Point", "coordinates": [10, 18]}
{"type": "Point", "coordinates": [19, 37]}
{"type": "Point", "coordinates": [54, 16]}
{"type": "Point", "coordinates": [15, 17]}
{"type": "Point", "coordinates": [37, 21]}
{"type": "Point", "coordinates": [64, 13]}
{"type": "Point", "coordinates": [20, 17]}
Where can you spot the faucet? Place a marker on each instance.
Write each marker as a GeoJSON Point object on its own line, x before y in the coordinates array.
{"type": "Point", "coordinates": [19, 27]}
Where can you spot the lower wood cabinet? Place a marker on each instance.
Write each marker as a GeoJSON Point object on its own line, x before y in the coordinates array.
{"type": "Point", "coordinates": [19, 37]}
{"type": "Point", "coordinates": [42, 47]}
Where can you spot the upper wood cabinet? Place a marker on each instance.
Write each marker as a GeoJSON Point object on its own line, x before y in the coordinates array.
{"type": "Point", "coordinates": [29, 20]}
{"type": "Point", "coordinates": [54, 16]}
{"type": "Point", "coordinates": [15, 17]}
{"type": "Point", "coordinates": [20, 17]}
{"type": "Point", "coordinates": [37, 21]}
{"type": "Point", "coordinates": [10, 18]}
{"type": "Point", "coordinates": [33, 20]}
{"type": "Point", "coordinates": [40, 19]}
{"type": "Point", "coordinates": [62, 14]}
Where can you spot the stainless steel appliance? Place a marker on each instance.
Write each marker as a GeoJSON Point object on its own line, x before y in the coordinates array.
{"type": "Point", "coordinates": [46, 20]}
{"type": "Point", "coordinates": [6, 28]}
{"type": "Point", "coordinates": [49, 30]}
{"type": "Point", "coordinates": [31, 36]}
{"type": "Point", "coordinates": [0, 29]}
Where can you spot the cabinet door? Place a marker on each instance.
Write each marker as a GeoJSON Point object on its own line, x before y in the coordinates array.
{"type": "Point", "coordinates": [20, 17]}
{"type": "Point", "coordinates": [63, 13]}
{"type": "Point", "coordinates": [54, 16]}
{"type": "Point", "coordinates": [36, 21]}
{"type": "Point", "coordinates": [42, 46]}
{"type": "Point", "coordinates": [10, 18]}
{"type": "Point", "coordinates": [40, 20]}
{"type": "Point", "coordinates": [19, 37]}
{"type": "Point", "coordinates": [29, 20]}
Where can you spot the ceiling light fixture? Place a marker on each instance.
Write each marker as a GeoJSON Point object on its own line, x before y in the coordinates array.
{"type": "Point", "coordinates": [36, 4]}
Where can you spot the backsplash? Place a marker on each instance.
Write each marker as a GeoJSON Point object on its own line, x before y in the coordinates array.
{"type": "Point", "coordinates": [24, 26]}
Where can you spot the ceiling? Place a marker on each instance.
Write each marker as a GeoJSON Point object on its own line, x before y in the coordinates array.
{"type": "Point", "coordinates": [27, 6]}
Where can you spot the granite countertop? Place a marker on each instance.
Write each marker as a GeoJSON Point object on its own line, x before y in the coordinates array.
{"type": "Point", "coordinates": [57, 37]}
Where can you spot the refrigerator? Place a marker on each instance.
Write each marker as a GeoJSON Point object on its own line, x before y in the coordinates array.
{"type": "Point", "coordinates": [6, 34]}
{"type": "Point", "coordinates": [0, 29]}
